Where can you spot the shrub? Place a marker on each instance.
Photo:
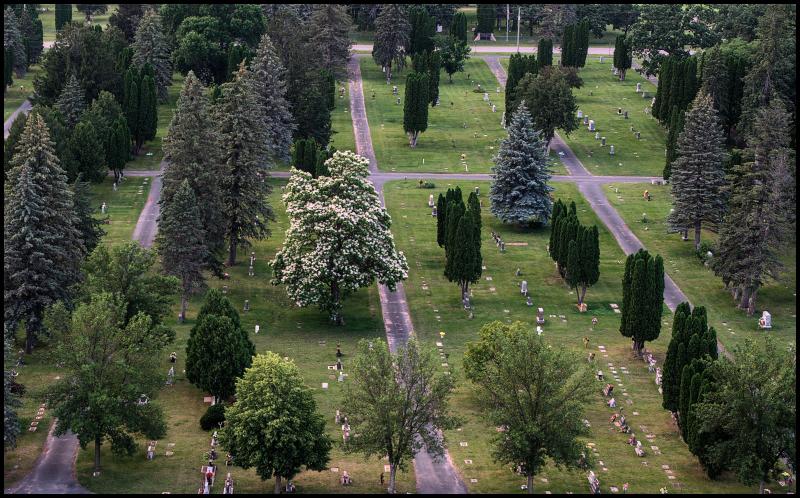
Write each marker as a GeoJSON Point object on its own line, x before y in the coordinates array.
{"type": "Point", "coordinates": [702, 253]}
{"type": "Point", "coordinates": [424, 184]}
{"type": "Point", "coordinates": [213, 417]}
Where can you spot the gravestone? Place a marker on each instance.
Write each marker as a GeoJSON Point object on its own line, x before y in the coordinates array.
{"type": "Point", "coordinates": [602, 141]}
{"type": "Point", "coordinates": [625, 114]}
{"type": "Point", "coordinates": [115, 186]}
{"type": "Point", "coordinates": [765, 322]}
{"type": "Point", "coordinates": [258, 327]}
{"type": "Point", "coordinates": [494, 108]}
{"type": "Point", "coordinates": [433, 211]}
{"type": "Point", "coordinates": [398, 101]}
{"type": "Point", "coordinates": [540, 316]}
{"type": "Point", "coordinates": [597, 135]}
{"type": "Point", "coordinates": [638, 87]}
{"type": "Point", "coordinates": [246, 305]}
{"type": "Point", "coordinates": [529, 301]}
{"type": "Point", "coordinates": [394, 90]}
{"type": "Point", "coordinates": [477, 191]}
{"type": "Point", "coordinates": [619, 111]}
{"type": "Point", "coordinates": [580, 114]}
{"type": "Point", "coordinates": [498, 90]}
{"type": "Point", "coordinates": [591, 125]}
{"type": "Point", "coordinates": [611, 150]}
{"type": "Point", "coordinates": [486, 96]}
{"type": "Point", "coordinates": [430, 201]}
{"type": "Point", "coordinates": [250, 271]}
{"type": "Point", "coordinates": [523, 288]}
{"type": "Point", "coordinates": [586, 120]}
{"type": "Point", "coordinates": [103, 208]}
{"type": "Point", "coordinates": [638, 135]}
{"type": "Point", "coordinates": [601, 60]}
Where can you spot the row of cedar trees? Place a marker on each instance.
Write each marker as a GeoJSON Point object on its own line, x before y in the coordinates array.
{"type": "Point", "coordinates": [575, 44]}
{"type": "Point", "coordinates": [642, 298]}
{"type": "Point", "coordinates": [575, 249]}
{"type": "Point", "coordinates": [422, 89]}
{"type": "Point", "coordinates": [677, 87]}
{"type": "Point", "coordinates": [687, 378]}
{"type": "Point", "coordinates": [519, 65]}
{"type": "Point", "coordinates": [458, 230]}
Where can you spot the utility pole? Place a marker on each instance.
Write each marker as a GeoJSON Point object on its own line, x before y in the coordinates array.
{"type": "Point", "coordinates": [508, 13]}
{"type": "Point", "coordinates": [519, 16]}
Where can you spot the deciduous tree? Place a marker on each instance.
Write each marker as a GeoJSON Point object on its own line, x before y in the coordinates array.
{"type": "Point", "coordinates": [392, 31]}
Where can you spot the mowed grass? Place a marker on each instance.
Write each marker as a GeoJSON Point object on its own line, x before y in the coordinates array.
{"type": "Point", "coordinates": [446, 138]}
{"type": "Point", "coordinates": [122, 207]}
{"type": "Point", "coordinates": [438, 309]}
{"type": "Point", "coordinates": [285, 329]}
{"type": "Point", "coordinates": [49, 18]}
{"type": "Point", "coordinates": [698, 282]}
{"type": "Point", "coordinates": [343, 137]}
{"type": "Point", "coordinates": [17, 93]}
{"type": "Point", "coordinates": [152, 162]}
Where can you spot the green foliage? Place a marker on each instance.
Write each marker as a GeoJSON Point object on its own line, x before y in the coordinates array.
{"type": "Point", "coordinates": [71, 103]}
{"type": "Point", "coordinates": [423, 29]}
{"type": "Point", "coordinates": [536, 392]}
{"type": "Point", "coordinates": [89, 226]}
{"type": "Point", "coordinates": [10, 144]}
{"type": "Point", "coordinates": [274, 425]}
{"type": "Point", "coordinates": [392, 36]}
{"type": "Point", "coordinates": [150, 47]}
{"type": "Point", "coordinates": [237, 53]}
{"type": "Point", "coordinates": [486, 18]}
{"type": "Point", "coordinates": [642, 298]}
{"type": "Point", "coordinates": [458, 28]}
{"type": "Point", "coordinates": [519, 65]}
{"type": "Point", "coordinates": [108, 363]}
{"type": "Point", "coordinates": [544, 52]}
{"type": "Point", "coordinates": [213, 417]}
{"type": "Point", "coordinates": [441, 220]}
{"type": "Point", "coordinates": [85, 154]}
{"type": "Point", "coordinates": [63, 14]}
{"type": "Point", "coordinates": [622, 56]}
{"type": "Point", "coordinates": [396, 403]}
{"type": "Point", "coordinates": [551, 102]}
{"type": "Point", "coordinates": [415, 106]}
{"type": "Point", "coordinates": [14, 41]}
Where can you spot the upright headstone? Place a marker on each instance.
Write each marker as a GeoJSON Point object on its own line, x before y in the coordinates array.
{"type": "Point", "coordinates": [580, 114]}
{"type": "Point", "coordinates": [638, 135]}
{"type": "Point", "coordinates": [103, 208]}
{"type": "Point", "coordinates": [494, 108]}
{"type": "Point", "coordinates": [523, 288]}
{"type": "Point", "coordinates": [597, 135]}
{"type": "Point", "coordinates": [591, 125]}
{"type": "Point", "coordinates": [611, 150]}
{"type": "Point", "coordinates": [586, 120]}
{"type": "Point", "coordinates": [602, 141]}
{"type": "Point", "coordinates": [258, 327]}
{"type": "Point", "coordinates": [638, 87]}
{"type": "Point", "coordinates": [430, 201]}
{"type": "Point", "coordinates": [625, 114]}
{"type": "Point", "coordinates": [486, 96]}
{"type": "Point", "coordinates": [246, 305]}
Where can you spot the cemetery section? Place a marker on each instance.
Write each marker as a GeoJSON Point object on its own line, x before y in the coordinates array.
{"type": "Point", "coordinates": [697, 281]}
{"type": "Point", "coordinates": [436, 307]}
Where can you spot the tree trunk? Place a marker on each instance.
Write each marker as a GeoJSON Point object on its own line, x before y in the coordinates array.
{"type": "Point", "coordinates": [392, 474]}
{"type": "Point", "coordinates": [388, 74]}
{"type": "Point", "coordinates": [336, 316]}
{"type": "Point", "coordinates": [761, 487]}
{"type": "Point", "coordinates": [277, 485]}
{"type": "Point", "coordinates": [744, 298]}
{"type": "Point", "coordinates": [583, 294]}
{"type": "Point", "coordinates": [548, 147]}
{"type": "Point", "coordinates": [530, 484]}
{"type": "Point", "coordinates": [29, 340]}
{"type": "Point", "coordinates": [232, 252]}
{"type": "Point", "coordinates": [184, 304]}
{"type": "Point", "coordinates": [697, 225]}
{"type": "Point", "coordinates": [751, 302]}
{"type": "Point", "coordinates": [737, 291]}
{"type": "Point", "coordinates": [413, 138]}
{"type": "Point", "coordinates": [97, 443]}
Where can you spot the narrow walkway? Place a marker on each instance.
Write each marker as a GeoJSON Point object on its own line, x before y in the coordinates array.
{"type": "Point", "coordinates": [147, 226]}
{"type": "Point", "coordinates": [433, 477]}
{"type": "Point", "coordinates": [23, 108]}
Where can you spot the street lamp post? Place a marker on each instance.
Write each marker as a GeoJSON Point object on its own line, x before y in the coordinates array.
{"type": "Point", "coordinates": [519, 16]}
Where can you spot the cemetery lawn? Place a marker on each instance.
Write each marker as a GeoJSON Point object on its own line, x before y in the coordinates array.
{"type": "Point", "coordinates": [15, 96]}
{"type": "Point", "coordinates": [123, 206]}
{"type": "Point", "coordinates": [49, 18]}
{"type": "Point", "coordinates": [446, 138]}
{"type": "Point", "coordinates": [143, 162]}
{"type": "Point", "coordinates": [438, 308]}
{"type": "Point", "coordinates": [286, 330]}
{"type": "Point", "coordinates": [343, 137]}
{"type": "Point", "coordinates": [699, 283]}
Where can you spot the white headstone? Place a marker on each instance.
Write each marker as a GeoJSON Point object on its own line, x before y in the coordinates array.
{"type": "Point", "coordinates": [597, 135]}
{"type": "Point", "coordinates": [486, 96]}
{"type": "Point", "coordinates": [611, 150]}
{"type": "Point", "coordinates": [638, 87]}
{"type": "Point", "coordinates": [257, 328]}
{"type": "Point", "coordinates": [430, 200]}
{"type": "Point", "coordinates": [438, 28]}
{"type": "Point", "coordinates": [494, 108]}
{"type": "Point", "coordinates": [580, 113]}
{"type": "Point", "coordinates": [103, 208]}
{"type": "Point", "coordinates": [591, 125]}
{"type": "Point", "coordinates": [524, 287]}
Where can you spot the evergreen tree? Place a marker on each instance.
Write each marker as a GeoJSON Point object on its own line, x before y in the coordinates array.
{"type": "Point", "coordinates": [14, 42]}
{"type": "Point", "coordinates": [566, 233]}
{"type": "Point", "coordinates": [237, 53]}
{"type": "Point", "coordinates": [486, 18]}
{"type": "Point", "coordinates": [330, 37]}
{"type": "Point", "coordinates": [329, 88]}
{"type": "Point", "coordinates": [622, 56]}
{"type": "Point", "coordinates": [130, 100]}
{"type": "Point", "coordinates": [568, 46]}
{"type": "Point", "coordinates": [689, 89]}
{"type": "Point", "coordinates": [581, 42]}
{"type": "Point", "coordinates": [464, 259]}
{"type": "Point", "coordinates": [455, 210]}
{"type": "Point", "coordinates": [126, 18]}
{"type": "Point", "coordinates": [148, 111]}
{"type": "Point", "coordinates": [757, 224]}
{"type": "Point", "coordinates": [181, 242]}
{"type": "Point", "coordinates": [42, 246]}
{"type": "Point", "coordinates": [415, 107]}
{"type": "Point", "coordinates": [519, 192]}
{"type": "Point", "coordinates": [151, 47]}
{"type": "Point", "coordinates": [85, 154]}
{"type": "Point", "coordinates": [89, 227]}
{"type": "Point", "coordinates": [63, 15]}
{"type": "Point", "coordinates": [518, 66]}
{"type": "Point", "coordinates": [32, 34]}
{"type": "Point", "coordinates": [392, 31]}
{"type": "Point", "coordinates": [544, 52]}
{"type": "Point", "coordinates": [441, 220]}
{"type": "Point", "coordinates": [71, 102]}
{"type": "Point", "coordinates": [10, 144]}
{"type": "Point", "coordinates": [697, 176]}
{"type": "Point", "coordinates": [474, 208]}
{"type": "Point", "coordinates": [662, 90]}
{"type": "Point", "coordinates": [119, 147]}
{"type": "Point", "coordinates": [589, 260]}
{"type": "Point", "coordinates": [269, 77]}
{"type": "Point", "coordinates": [103, 114]}
{"type": "Point", "coordinates": [423, 29]}
{"type": "Point", "coordinates": [685, 393]}
{"type": "Point", "coordinates": [458, 28]}
{"type": "Point", "coordinates": [559, 210]}
{"type": "Point", "coordinates": [670, 374]}
{"type": "Point", "coordinates": [8, 66]}
{"type": "Point", "coordinates": [245, 157]}
{"type": "Point", "coordinates": [642, 298]}
{"type": "Point", "coordinates": [676, 122]}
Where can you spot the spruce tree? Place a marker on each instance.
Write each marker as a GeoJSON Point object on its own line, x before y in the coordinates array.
{"type": "Point", "coordinates": [458, 28]}
{"type": "Point", "coordinates": [11, 401]}
{"type": "Point", "coordinates": [329, 26]}
{"type": "Point", "coordinates": [14, 42]}
{"type": "Point", "coordinates": [181, 242]}
{"type": "Point", "coordinates": [415, 107]}
{"type": "Point", "coordinates": [544, 52]}
{"type": "Point", "coordinates": [697, 178]}
{"type": "Point", "coordinates": [42, 247]}
{"type": "Point", "coordinates": [89, 227]}
{"type": "Point", "coordinates": [150, 46]}
{"type": "Point", "coordinates": [191, 152]}
{"type": "Point", "coordinates": [10, 144]}
{"type": "Point", "coordinates": [392, 31]}
{"type": "Point", "coordinates": [71, 102]}
{"type": "Point", "coordinates": [245, 159]}
{"type": "Point", "coordinates": [519, 192]}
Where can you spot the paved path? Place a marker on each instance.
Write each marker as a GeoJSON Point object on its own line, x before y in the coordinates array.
{"type": "Point", "coordinates": [502, 49]}
{"type": "Point", "coordinates": [146, 226]}
{"type": "Point", "coordinates": [24, 108]}
{"type": "Point", "coordinates": [433, 476]}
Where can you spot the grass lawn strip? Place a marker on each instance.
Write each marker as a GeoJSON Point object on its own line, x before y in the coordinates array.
{"type": "Point", "coordinates": [437, 307]}
{"type": "Point", "coordinates": [17, 93]}
{"type": "Point", "coordinates": [698, 282]}
{"type": "Point", "coordinates": [284, 329]}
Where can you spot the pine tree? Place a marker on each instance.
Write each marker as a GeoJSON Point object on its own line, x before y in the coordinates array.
{"type": "Point", "coordinates": [90, 227]}
{"type": "Point", "coordinates": [151, 47]}
{"type": "Point", "coordinates": [14, 42]}
{"type": "Point", "coordinates": [392, 31]}
{"type": "Point", "coordinates": [544, 52]}
{"type": "Point", "coordinates": [757, 224]}
{"type": "Point", "coordinates": [85, 154]}
{"type": "Point", "coordinates": [181, 242]}
{"type": "Point", "coordinates": [10, 144]}
{"type": "Point", "coordinates": [63, 15]}
{"type": "Point", "coordinates": [42, 247]}
{"type": "Point", "coordinates": [415, 107]}
{"type": "Point", "coordinates": [458, 28]}
{"type": "Point", "coordinates": [245, 157]}
{"type": "Point", "coordinates": [330, 39]}
{"type": "Point", "coordinates": [519, 192]}
{"type": "Point", "coordinates": [71, 102]}
{"type": "Point", "coordinates": [697, 176]}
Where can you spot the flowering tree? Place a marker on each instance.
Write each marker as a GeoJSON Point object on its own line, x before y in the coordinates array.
{"type": "Point", "coordinates": [338, 238]}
